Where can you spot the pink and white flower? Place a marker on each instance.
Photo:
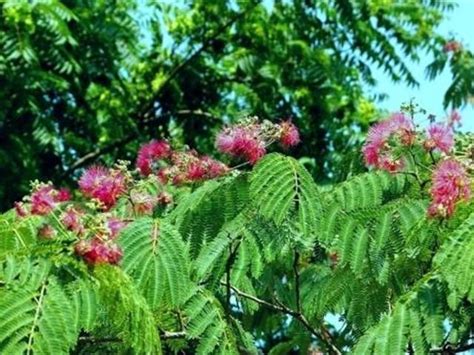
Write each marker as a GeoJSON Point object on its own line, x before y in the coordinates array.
{"type": "Point", "coordinates": [440, 137]}
{"type": "Point", "coordinates": [450, 184]}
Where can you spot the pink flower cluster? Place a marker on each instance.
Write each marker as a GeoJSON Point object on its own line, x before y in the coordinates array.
{"type": "Point", "coordinates": [43, 200]}
{"type": "Point", "coordinates": [142, 202]}
{"type": "Point", "coordinates": [177, 167]}
{"type": "Point", "coordinates": [440, 137]}
{"type": "Point", "coordinates": [102, 248]}
{"type": "Point", "coordinates": [188, 166]}
{"type": "Point", "coordinates": [377, 150]}
{"type": "Point", "coordinates": [72, 220]}
{"type": "Point", "coordinates": [151, 153]}
{"type": "Point", "coordinates": [96, 251]}
{"type": "Point", "coordinates": [452, 46]}
{"type": "Point", "coordinates": [454, 118]}
{"type": "Point", "coordinates": [248, 140]}
{"type": "Point", "coordinates": [450, 184]}
{"type": "Point", "coordinates": [104, 185]}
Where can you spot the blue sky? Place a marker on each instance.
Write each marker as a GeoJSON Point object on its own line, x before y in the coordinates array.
{"type": "Point", "coordinates": [429, 95]}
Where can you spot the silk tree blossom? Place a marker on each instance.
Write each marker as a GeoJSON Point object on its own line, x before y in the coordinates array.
{"type": "Point", "coordinates": [114, 226]}
{"type": "Point", "coordinates": [98, 251]}
{"type": "Point", "coordinates": [72, 220]}
{"type": "Point", "coordinates": [452, 46]}
{"type": "Point", "coordinates": [454, 118]}
{"type": "Point", "coordinates": [45, 198]}
{"type": "Point", "coordinates": [249, 139]}
{"type": "Point", "coordinates": [377, 149]}
{"type": "Point", "coordinates": [290, 135]}
{"type": "Point", "coordinates": [165, 198]}
{"type": "Point", "coordinates": [439, 137]}
{"type": "Point", "coordinates": [150, 153]}
{"type": "Point", "coordinates": [47, 232]}
{"type": "Point", "coordinates": [143, 203]}
{"type": "Point", "coordinates": [188, 166]}
{"type": "Point", "coordinates": [450, 184]}
{"type": "Point", "coordinates": [102, 184]}
{"type": "Point", "coordinates": [242, 142]}
{"type": "Point", "coordinates": [20, 209]}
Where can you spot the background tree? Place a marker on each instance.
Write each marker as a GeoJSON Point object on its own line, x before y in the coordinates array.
{"type": "Point", "coordinates": [87, 80]}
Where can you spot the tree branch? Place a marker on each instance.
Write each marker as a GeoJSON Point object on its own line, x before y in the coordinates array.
{"type": "Point", "coordinates": [164, 335]}
{"type": "Point", "coordinates": [89, 157]}
{"type": "Point", "coordinates": [324, 336]}
{"type": "Point", "coordinates": [449, 348]}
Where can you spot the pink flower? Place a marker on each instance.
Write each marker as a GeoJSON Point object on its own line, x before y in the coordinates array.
{"type": "Point", "coordinates": [452, 46]}
{"type": "Point", "coordinates": [115, 225]}
{"type": "Point", "coordinates": [71, 219]}
{"type": "Point", "coordinates": [454, 118]}
{"type": "Point", "coordinates": [439, 137]}
{"type": "Point", "coordinates": [63, 195]}
{"type": "Point", "coordinates": [151, 152]}
{"type": "Point", "coordinates": [243, 142]}
{"type": "Point", "coordinates": [105, 185]}
{"type": "Point", "coordinates": [450, 184]}
{"type": "Point", "coordinates": [376, 149]}
{"type": "Point", "coordinates": [165, 198]}
{"type": "Point", "coordinates": [20, 209]}
{"type": "Point", "coordinates": [164, 175]}
{"type": "Point", "coordinates": [196, 171]}
{"type": "Point", "coordinates": [389, 164]}
{"type": "Point", "coordinates": [289, 136]}
{"type": "Point", "coordinates": [47, 232]}
{"type": "Point", "coordinates": [96, 251]}
{"type": "Point", "coordinates": [213, 167]}
{"type": "Point", "coordinates": [43, 200]}
{"type": "Point", "coordinates": [143, 203]}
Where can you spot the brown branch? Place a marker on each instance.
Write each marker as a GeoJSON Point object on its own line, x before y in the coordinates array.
{"type": "Point", "coordinates": [325, 337]}
{"type": "Point", "coordinates": [452, 349]}
{"type": "Point", "coordinates": [92, 156]}
{"type": "Point", "coordinates": [164, 335]}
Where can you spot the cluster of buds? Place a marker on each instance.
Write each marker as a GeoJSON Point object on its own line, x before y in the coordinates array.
{"type": "Point", "coordinates": [450, 181]}
{"type": "Point", "coordinates": [249, 139]}
{"type": "Point", "coordinates": [95, 237]}
{"type": "Point", "coordinates": [177, 167]}
{"type": "Point", "coordinates": [188, 166]}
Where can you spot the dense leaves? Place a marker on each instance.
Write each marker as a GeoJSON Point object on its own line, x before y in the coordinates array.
{"type": "Point", "coordinates": [261, 260]}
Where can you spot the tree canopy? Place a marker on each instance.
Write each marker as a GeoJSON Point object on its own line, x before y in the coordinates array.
{"type": "Point", "coordinates": [86, 81]}
{"type": "Point", "coordinates": [184, 254]}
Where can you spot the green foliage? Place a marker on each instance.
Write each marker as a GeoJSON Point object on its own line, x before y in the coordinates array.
{"type": "Point", "coordinates": [281, 187]}
{"type": "Point", "coordinates": [252, 261]}
{"type": "Point", "coordinates": [156, 258]}
{"type": "Point", "coordinates": [455, 260]}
